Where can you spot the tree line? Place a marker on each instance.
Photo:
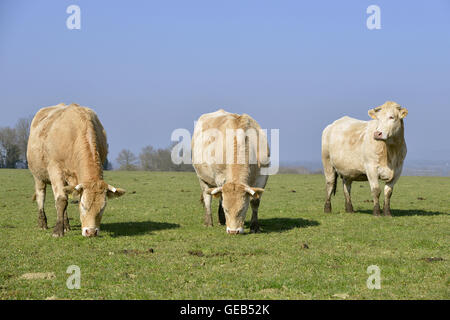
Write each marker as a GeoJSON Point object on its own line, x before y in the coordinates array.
{"type": "Point", "coordinates": [150, 159]}
{"type": "Point", "coordinates": [13, 144]}
{"type": "Point", "coordinates": [14, 141]}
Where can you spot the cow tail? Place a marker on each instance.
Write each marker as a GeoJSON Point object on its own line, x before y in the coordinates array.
{"type": "Point", "coordinates": [202, 200]}
{"type": "Point", "coordinates": [335, 183]}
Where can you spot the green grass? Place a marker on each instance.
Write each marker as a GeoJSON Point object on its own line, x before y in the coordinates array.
{"type": "Point", "coordinates": [162, 211]}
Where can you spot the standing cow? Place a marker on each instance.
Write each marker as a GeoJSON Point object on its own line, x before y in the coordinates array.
{"type": "Point", "coordinates": [228, 153]}
{"type": "Point", "coordinates": [66, 148]}
{"type": "Point", "coordinates": [365, 150]}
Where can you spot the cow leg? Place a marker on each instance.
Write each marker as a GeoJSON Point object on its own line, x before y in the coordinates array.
{"type": "Point", "coordinates": [331, 180]}
{"type": "Point", "coordinates": [66, 221]}
{"type": "Point", "coordinates": [206, 203]}
{"type": "Point", "coordinates": [40, 189]}
{"type": "Point", "coordinates": [254, 225]}
{"type": "Point", "coordinates": [221, 213]}
{"type": "Point", "coordinates": [375, 189]}
{"type": "Point", "coordinates": [208, 216]}
{"type": "Point", "coordinates": [60, 201]}
{"type": "Point", "coordinates": [348, 200]}
{"type": "Point", "coordinates": [388, 188]}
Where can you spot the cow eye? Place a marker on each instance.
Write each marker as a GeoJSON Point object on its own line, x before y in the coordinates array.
{"type": "Point", "coordinates": [391, 117]}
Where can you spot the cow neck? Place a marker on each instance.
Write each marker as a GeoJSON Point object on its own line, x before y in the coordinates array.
{"type": "Point", "coordinates": [238, 173]}
{"type": "Point", "coordinates": [391, 147]}
{"type": "Point", "coordinates": [89, 166]}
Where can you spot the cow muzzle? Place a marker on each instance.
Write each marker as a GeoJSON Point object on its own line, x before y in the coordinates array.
{"type": "Point", "coordinates": [235, 231]}
{"type": "Point", "coordinates": [378, 135]}
{"type": "Point", "coordinates": [90, 232]}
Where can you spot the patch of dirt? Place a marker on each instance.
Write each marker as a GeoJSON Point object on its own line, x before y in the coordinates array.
{"type": "Point", "coordinates": [432, 259]}
{"type": "Point", "coordinates": [341, 295]}
{"type": "Point", "coordinates": [7, 226]}
{"type": "Point", "coordinates": [55, 298]}
{"type": "Point", "coordinates": [200, 253]}
{"type": "Point", "coordinates": [293, 191]}
{"type": "Point", "coordinates": [420, 198]}
{"type": "Point", "coordinates": [305, 246]}
{"type": "Point", "coordinates": [367, 201]}
{"type": "Point", "coordinates": [197, 253]}
{"type": "Point", "coordinates": [38, 275]}
{"type": "Point", "coordinates": [137, 252]}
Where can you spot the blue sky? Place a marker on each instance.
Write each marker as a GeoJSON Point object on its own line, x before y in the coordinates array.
{"type": "Point", "coordinates": [149, 67]}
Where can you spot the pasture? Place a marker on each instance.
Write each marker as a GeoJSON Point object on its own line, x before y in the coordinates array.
{"type": "Point", "coordinates": [153, 244]}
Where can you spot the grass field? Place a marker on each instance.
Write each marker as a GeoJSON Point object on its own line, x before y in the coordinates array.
{"type": "Point", "coordinates": [302, 253]}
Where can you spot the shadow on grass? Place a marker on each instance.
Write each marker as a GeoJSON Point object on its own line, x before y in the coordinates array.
{"type": "Point", "coordinates": [403, 213]}
{"type": "Point", "coordinates": [284, 224]}
{"type": "Point", "coordinates": [119, 229]}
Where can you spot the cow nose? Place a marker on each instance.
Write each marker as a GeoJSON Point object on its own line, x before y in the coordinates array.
{"type": "Point", "coordinates": [377, 134]}
{"type": "Point", "coordinates": [90, 232]}
{"type": "Point", "coordinates": [236, 231]}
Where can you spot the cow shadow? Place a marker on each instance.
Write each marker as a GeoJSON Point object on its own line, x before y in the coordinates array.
{"type": "Point", "coordinates": [404, 213]}
{"type": "Point", "coordinates": [283, 224]}
{"type": "Point", "coordinates": [120, 229]}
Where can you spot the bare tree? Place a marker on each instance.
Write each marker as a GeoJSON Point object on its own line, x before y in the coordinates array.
{"type": "Point", "coordinates": [10, 151]}
{"type": "Point", "coordinates": [146, 157]}
{"type": "Point", "coordinates": [127, 160]}
{"type": "Point", "coordinates": [160, 160]}
{"type": "Point", "coordinates": [22, 133]}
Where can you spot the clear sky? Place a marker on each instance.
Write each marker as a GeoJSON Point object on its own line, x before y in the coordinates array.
{"type": "Point", "coordinates": [149, 67]}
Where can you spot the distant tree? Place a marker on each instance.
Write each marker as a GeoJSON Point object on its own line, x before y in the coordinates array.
{"type": "Point", "coordinates": [160, 160]}
{"type": "Point", "coordinates": [9, 147]}
{"type": "Point", "coordinates": [147, 158]}
{"type": "Point", "coordinates": [127, 160]}
{"type": "Point", "coordinates": [22, 133]}
{"type": "Point", "coordinates": [107, 165]}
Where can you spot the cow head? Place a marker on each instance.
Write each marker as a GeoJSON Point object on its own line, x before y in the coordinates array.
{"type": "Point", "coordinates": [389, 118]}
{"type": "Point", "coordinates": [93, 203]}
{"type": "Point", "coordinates": [235, 200]}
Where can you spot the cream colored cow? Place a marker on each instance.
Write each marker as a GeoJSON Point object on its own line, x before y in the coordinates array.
{"type": "Point", "coordinates": [228, 153]}
{"type": "Point", "coordinates": [66, 148]}
{"type": "Point", "coordinates": [365, 150]}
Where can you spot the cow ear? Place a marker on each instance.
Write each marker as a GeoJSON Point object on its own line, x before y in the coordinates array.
{"type": "Point", "coordinates": [112, 192]}
{"type": "Point", "coordinates": [216, 192]}
{"type": "Point", "coordinates": [372, 113]}
{"type": "Point", "coordinates": [254, 192]}
{"type": "Point", "coordinates": [403, 112]}
{"type": "Point", "coordinates": [75, 191]}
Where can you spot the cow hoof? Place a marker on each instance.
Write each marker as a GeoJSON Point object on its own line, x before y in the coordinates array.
{"type": "Point", "coordinates": [208, 224]}
{"type": "Point", "coordinates": [255, 230]}
{"type": "Point", "coordinates": [58, 231]}
{"type": "Point", "coordinates": [66, 227]}
{"type": "Point", "coordinates": [327, 207]}
{"type": "Point", "coordinates": [42, 226]}
{"type": "Point", "coordinates": [349, 208]}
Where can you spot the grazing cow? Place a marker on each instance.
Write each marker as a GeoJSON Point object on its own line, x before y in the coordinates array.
{"type": "Point", "coordinates": [365, 150]}
{"type": "Point", "coordinates": [66, 148]}
{"type": "Point", "coordinates": [240, 150]}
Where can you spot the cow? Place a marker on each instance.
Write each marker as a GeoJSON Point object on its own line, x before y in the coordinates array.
{"type": "Point", "coordinates": [240, 151]}
{"type": "Point", "coordinates": [66, 148]}
{"type": "Point", "coordinates": [365, 150]}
